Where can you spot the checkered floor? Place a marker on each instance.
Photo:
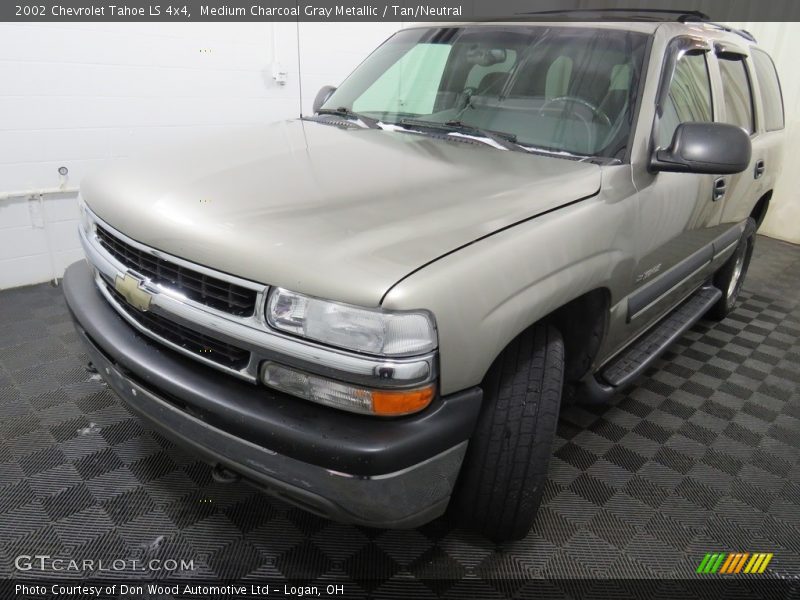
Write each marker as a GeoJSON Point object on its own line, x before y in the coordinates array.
{"type": "Point", "coordinates": [703, 455]}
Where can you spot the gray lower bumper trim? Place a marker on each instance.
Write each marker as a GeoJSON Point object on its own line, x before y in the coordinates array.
{"type": "Point", "coordinates": [406, 498]}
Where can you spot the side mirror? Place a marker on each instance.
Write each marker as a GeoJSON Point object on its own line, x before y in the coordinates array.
{"type": "Point", "coordinates": [322, 97]}
{"type": "Point", "coordinates": [714, 148]}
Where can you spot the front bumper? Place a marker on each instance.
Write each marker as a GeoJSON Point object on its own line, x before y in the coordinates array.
{"type": "Point", "coordinates": [348, 467]}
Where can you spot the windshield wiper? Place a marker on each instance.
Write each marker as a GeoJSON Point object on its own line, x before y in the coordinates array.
{"type": "Point", "coordinates": [559, 153]}
{"type": "Point", "coordinates": [505, 140]}
{"type": "Point", "coordinates": [343, 111]}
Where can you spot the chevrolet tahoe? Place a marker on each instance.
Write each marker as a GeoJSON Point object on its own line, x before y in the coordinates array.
{"type": "Point", "coordinates": [375, 312]}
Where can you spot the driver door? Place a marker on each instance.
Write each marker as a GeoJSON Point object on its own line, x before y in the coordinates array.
{"type": "Point", "coordinates": [679, 213]}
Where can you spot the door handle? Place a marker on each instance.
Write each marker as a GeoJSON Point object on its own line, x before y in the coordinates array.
{"type": "Point", "coordinates": [759, 170]}
{"type": "Point", "coordinates": [720, 187]}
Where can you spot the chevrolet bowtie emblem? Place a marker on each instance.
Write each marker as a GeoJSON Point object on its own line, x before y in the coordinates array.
{"type": "Point", "coordinates": [131, 290]}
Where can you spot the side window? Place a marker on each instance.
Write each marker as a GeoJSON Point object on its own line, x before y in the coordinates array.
{"type": "Point", "coordinates": [738, 94]}
{"type": "Point", "coordinates": [410, 85]}
{"type": "Point", "coordinates": [770, 90]}
{"type": "Point", "coordinates": [689, 97]}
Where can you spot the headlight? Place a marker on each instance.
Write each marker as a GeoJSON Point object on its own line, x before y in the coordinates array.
{"type": "Point", "coordinates": [383, 333]}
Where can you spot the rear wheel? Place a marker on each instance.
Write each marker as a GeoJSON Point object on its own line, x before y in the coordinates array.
{"type": "Point", "coordinates": [505, 470]}
{"type": "Point", "coordinates": [730, 277]}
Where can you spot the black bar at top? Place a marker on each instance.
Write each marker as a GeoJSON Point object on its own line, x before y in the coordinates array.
{"type": "Point", "coordinates": [395, 10]}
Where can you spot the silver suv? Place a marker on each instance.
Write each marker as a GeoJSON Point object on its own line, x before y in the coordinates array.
{"type": "Point", "coordinates": [376, 311]}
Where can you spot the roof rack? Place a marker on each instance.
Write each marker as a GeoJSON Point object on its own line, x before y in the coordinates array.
{"type": "Point", "coordinates": [649, 14]}
{"type": "Point", "coordinates": [646, 14]}
{"type": "Point", "coordinates": [741, 32]}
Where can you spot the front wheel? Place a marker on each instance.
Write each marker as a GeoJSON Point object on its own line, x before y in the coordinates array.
{"type": "Point", "coordinates": [730, 277]}
{"type": "Point", "coordinates": [501, 482]}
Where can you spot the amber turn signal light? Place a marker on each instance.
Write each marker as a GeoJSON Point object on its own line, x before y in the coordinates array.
{"type": "Point", "coordinates": [372, 401]}
{"type": "Point", "coordinates": [401, 402]}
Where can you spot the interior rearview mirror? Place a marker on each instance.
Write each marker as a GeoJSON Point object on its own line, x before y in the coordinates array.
{"type": "Point", "coordinates": [322, 97]}
{"type": "Point", "coordinates": [485, 57]}
{"type": "Point", "coordinates": [714, 148]}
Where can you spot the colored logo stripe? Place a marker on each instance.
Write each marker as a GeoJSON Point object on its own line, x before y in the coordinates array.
{"type": "Point", "coordinates": [734, 562]}
{"type": "Point", "coordinates": [711, 563]}
{"type": "Point", "coordinates": [703, 564]}
{"type": "Point", "coordinates": [741, 562]}
{"type": "Point", "coordinates": [758, 563]}
{"type": "Point", "coordinates": [731, 560]}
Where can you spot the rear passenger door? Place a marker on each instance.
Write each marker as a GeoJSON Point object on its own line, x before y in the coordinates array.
{"type": "Point", "coordinates": [767, 131]}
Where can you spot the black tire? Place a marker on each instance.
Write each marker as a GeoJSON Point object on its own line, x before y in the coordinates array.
{"type": "Point", "coordinates": [730, 277]}
{"type": "Point", "coordinates": [501, 482]}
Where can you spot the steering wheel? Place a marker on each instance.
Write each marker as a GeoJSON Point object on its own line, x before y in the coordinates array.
{"type": "Point", "coordinates": [595, 111]}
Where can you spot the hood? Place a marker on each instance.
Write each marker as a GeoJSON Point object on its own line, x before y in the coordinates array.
{"type": "Point", "coordinates": [332, 212]}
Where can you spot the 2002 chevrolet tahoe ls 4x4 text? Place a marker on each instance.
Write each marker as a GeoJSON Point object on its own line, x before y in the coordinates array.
{"type": "Point", "coordinates": [374, 312]}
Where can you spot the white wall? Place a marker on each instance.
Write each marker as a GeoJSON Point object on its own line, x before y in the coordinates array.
{"type": "Point", "coordinates": [325, 49]}
{"type": "Point", "coordinates": [782, 41]}
{"type": "Point", "coordinates": [81, 95]}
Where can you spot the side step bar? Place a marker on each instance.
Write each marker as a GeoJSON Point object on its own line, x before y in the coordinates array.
{"type": "Point", "coordinates": [633, 361]}
{"type": "Point", "coordinates": [628, 365]}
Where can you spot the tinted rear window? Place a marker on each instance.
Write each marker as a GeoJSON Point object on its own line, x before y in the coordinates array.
{"type": "Point", "coordinates": [770, 90]}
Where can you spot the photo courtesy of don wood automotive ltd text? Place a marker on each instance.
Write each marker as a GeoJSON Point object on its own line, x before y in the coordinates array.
{"type": "Point", "coordinates": [491, 299]}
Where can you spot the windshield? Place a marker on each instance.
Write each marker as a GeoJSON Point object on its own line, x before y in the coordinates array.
{"type": "Point", "coordinates": [560, 89]}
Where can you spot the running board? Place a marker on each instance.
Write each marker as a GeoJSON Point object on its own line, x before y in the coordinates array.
{"type": "Point", "coordinates": [632, 362]}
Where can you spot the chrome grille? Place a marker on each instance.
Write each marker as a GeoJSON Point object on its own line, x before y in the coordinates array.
{"type": "Point", "coordinates": [199, 287]}
{"type": "Point", "coordinates": [194, 342]}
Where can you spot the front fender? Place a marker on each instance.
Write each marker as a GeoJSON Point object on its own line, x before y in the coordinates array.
{"type": "Point", "coordinates": [487, 293]}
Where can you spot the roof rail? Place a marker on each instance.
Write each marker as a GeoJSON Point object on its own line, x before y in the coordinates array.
{"type": "Point", "coordinates": [648, 14]}
{"type": "Point", "coordinates": [741, 32]}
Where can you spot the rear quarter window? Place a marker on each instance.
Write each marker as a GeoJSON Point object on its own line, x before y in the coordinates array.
{"type": "Point", "coordinates": [769, 90]}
